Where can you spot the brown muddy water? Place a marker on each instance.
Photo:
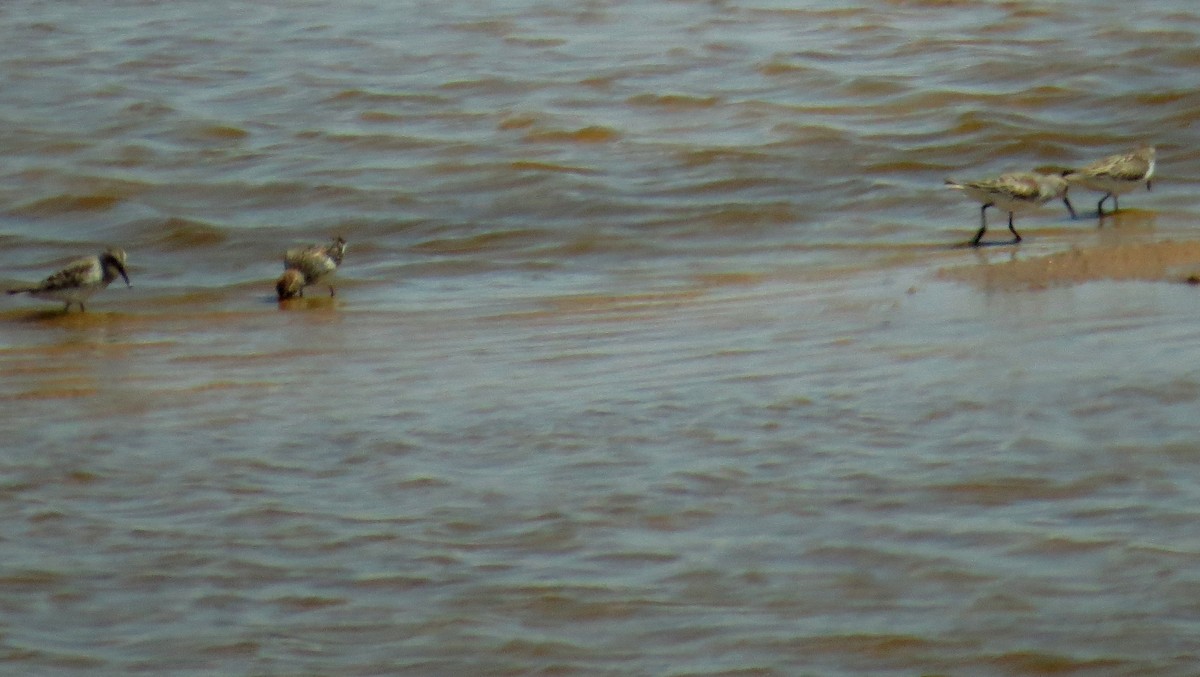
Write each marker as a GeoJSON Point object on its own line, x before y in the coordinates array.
{"type": "Point", "coordinates": [654, 353]}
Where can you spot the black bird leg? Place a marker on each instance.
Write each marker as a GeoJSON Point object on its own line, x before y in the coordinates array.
{"type": "Point", "coordinates": [982, 224]}
{"type": "Point", "coordinates": [1014, 230]}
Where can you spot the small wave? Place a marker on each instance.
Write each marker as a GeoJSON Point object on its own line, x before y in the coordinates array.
{"type": "Point", "coordinates": [177, 234]}
{"type": "Point", "coordinates": [673, 100]}
{"type": "Point", "coordinates": [1186, 99]}
{"type": "Point", "coordinates": [149, 109]}
{"type": "Point", "coordinates": [871, 87]}
{"type": "Point", "coordinates": [66, 203]}
{"type": "Point", "coordinates": [1037, 663]}
{"type": "Point", "coordinates": [237, 649]}
{"type": "Point", "coordinates": [380, 116]}
{"type": "Point", "coordinates": [55, 393]}
{"type": "Point", "coordinates": [538, 43]}
{"type": "Point", "coordinates": [391, 583]}
{"type": "Point", "coordinates": [932, 4]}
{"type": "Point", "coordinates": [709, 156]}
{"type": "Point", "coordinates": [598, 81]}
{"type": "Point", "coordinates": [528, 165]}
{"type": "Point", "coordinates": [781, 213]}
{"type": "Point", "coordinates": [903, 166]}
{"type": "Point", "coordinates": [307, 602]}
{"type": "Point", "coordinates": [808, 15]}
{"type": "Point", "coordinates": [869, 644]}
{"type": "Point", "coordinates": [371, 142]}
{"type": "Point", "coordinates": [590, 244]}
{"type": "Point", "coordinates": [495, 27]}
{"type": "Point", "coordinates": [593, 134]}
{"type": "Point", "coordinates": [363, 95]}
{"type": "Point", "coordinates": [973, 122]}
{"type": "Point", "coordinates": [490, 85]}
{"type": "Point", "coordinates": [517, 122]}
{"type": "Point", "coordinates": [482, 242]}
{"type": "Point", "coordinates": [777, 67]}
{"type": "Point", "coordinates": [31, 579]}
{"type": "Point", "coordinates": [218, 132]}
{"type": "Point", "coordinates": [1008, 490]}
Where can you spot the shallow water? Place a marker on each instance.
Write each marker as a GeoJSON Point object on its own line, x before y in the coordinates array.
{"type": "Point", "coordinates": [655, 350]}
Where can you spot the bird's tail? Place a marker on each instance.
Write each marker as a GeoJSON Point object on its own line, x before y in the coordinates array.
{"type": "Point", "coordinates": [951, 183]}
{"type": "Point", "coordinates": [19, 290]}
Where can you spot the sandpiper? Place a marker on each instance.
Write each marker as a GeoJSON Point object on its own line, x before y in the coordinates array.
{"type": "Point", "coordinates": [1116, 175]}
{"type": "Point", "coordinates": [1015, 192]}
{"type": "Point", "coordinates": [304, 266]}
{"type": "Point", "coordinates": [80, 279]}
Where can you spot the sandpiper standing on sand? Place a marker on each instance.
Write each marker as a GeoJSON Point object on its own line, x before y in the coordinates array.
{"type": "Point", "coordinates": [1015, 192]}
{"type": "Point", "coordinates": [1116, 175]}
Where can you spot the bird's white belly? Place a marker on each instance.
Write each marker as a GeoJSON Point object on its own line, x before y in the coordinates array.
{"type": "Point", "coordinates": [1105, 184]}
{"type": "Point", "coordinates": [71, 295]}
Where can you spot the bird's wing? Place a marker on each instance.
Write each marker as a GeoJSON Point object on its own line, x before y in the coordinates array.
{"type": "Point", "coordinates": [312, 261]}
{"type": "Point", "coordinates": [79, 272]}
{"type": "Point", "coordinates": [1017, 186]}
{"type": "Point", "coordinates": [296, 257]}
{"type": "Point", "coordinates": [1131, 167]}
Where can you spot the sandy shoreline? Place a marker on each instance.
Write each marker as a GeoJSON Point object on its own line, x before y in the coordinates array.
{"type": "Point", "coordinates": [1165, 261]}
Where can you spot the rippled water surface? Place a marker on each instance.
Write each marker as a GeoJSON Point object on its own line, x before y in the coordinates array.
{"type": "Point", "coordinates": [655, 349]}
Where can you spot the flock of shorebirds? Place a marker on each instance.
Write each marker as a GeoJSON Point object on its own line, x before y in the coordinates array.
{"type": "Point", "coordinates": [1114, 175]}
{"type": "Point", "coordinates": [306, 266]}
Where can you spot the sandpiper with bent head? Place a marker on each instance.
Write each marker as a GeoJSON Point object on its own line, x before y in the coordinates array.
{"type": "Point", "coordinates": [1013, 193]}
{"type": "Point", "coordinates": [290, 284]}
{"type": "Point", "coordinates": [80, 279]}
{"type": "Point", "coordinates": [1115, 175]}
{"type": "Point", "coordinates": [304, 266]}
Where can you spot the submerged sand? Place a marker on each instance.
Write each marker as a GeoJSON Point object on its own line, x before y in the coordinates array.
{"type": "Point", "coordinates": [1170, 261]}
